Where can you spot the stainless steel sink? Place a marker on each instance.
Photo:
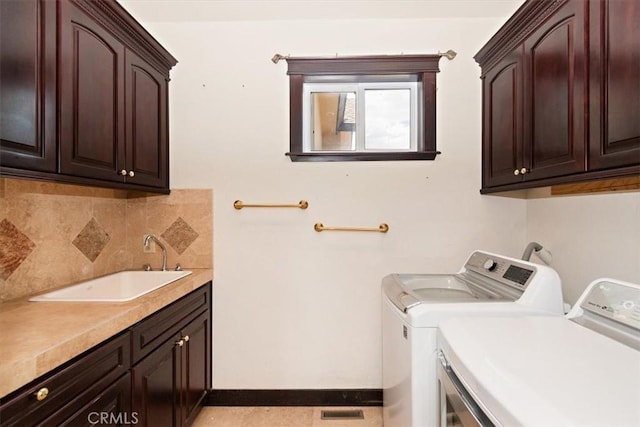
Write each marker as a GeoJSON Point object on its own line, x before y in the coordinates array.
{"type": "Point", "coordinates": [117, 287]}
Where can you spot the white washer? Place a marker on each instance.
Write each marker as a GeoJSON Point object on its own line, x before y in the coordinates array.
{"type": "Point", "coordinates": [413, 306]}
{"type": "Point", "coordinates": [581, 370]}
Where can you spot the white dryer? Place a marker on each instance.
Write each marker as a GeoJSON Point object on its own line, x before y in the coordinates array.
{"type": "Point", "coordinates": [414, 305]}
{"type": "Point", "coordinates": [582, 370]}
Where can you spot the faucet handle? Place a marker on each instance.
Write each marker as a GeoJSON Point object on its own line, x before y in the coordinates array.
{"type": "Point", "coordinates": [147, 267]}
{"type": "Point", "coordinates": [178, 267]}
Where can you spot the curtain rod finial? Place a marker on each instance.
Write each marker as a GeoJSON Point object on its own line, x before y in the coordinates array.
{"type": "Point", "coordinates": [277, 57]}
{"type": "Point", "coordinates": [450, 54]}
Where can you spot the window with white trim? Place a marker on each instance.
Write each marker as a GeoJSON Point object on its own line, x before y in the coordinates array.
{"type": "Point", "coordinates": [363, 108]}
{"type": "Point", "coordinates": [360, 117]}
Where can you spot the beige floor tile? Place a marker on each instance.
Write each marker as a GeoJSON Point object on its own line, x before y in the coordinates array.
{"type": "Point", "coordinates": [288, 416]}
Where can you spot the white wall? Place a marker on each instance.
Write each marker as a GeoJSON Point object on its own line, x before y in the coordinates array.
{"type": "Point", "coordinates": [294, 308]}
{"type": "Point", "coordinates": [590, 236]}
{"type": "Point", "coordinates": [298, 309]}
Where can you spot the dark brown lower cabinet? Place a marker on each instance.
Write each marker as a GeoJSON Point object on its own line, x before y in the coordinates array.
{"type": "Point", "coordinates": [170, 352]}
{"type": "Point", "coordinates": [170, 384]}
{"type": "Point", "coordinates": [99, 380]}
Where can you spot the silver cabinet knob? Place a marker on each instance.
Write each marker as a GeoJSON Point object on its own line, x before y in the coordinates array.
{"type": "Point", "coordinates": [180, 343]}
{"type": "Point", "coordinates": [516, 172]}
{"type": "Point", "coordinates": [186, 338]}
{"type": "Point", "coordinates": [132, 173]}
{"type": "Point", "coordinates": [123, 172]}
{"type": "Point", "coordinates": [523, 171]}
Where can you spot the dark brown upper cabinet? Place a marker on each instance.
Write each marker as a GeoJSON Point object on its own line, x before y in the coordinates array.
{"type": "Point", "coordinates": [110, 126]}
{"type": "Point", "coordinates": [328, 108]}
{"type": "Point", "coordinates": [544, 106]}
{"type": "Point", "coordinates": [146, 133]}
{"type": "Point", "coordinates": [91, 97]}
{"type": "Point", "coordinates": [28, 85]}
{"type": "Point", "coordinates": [614, 84]}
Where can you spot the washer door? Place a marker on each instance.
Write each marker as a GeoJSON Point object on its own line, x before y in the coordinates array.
{"type": "Point", "coordinates": [409, 290]}
{"type": "Point", "coordinates": [443, 295]}
{"type": "Point", "coordinates": [440, 288]}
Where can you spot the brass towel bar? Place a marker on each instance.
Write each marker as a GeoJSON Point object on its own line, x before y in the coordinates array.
{"type": "Point", "coordinates": [302, 204]}
{"type": "Point", "coordinates": [383, 228]}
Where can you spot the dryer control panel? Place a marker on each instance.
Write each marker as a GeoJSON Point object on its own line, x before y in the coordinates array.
{"type": "Point", "coordinates": [615, 301]}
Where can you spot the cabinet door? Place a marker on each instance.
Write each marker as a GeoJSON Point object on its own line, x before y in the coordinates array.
{"type": "Point", "coordinates": [555, 94]}
{"type": "Point", "coordinates": [91, 97]}
{"type": "Point", "coordinates": [146, 119]}
{"type": "Point", "coordinates": [28, 85]}
{"type": "Point", "coordinates": [196, 369]}
{"type": "Point", "coordinates": [614, 75]}
{"type": "Point", "coordinates": [502, 121]}
{"type": "Point", "coordinates": [156, 382]}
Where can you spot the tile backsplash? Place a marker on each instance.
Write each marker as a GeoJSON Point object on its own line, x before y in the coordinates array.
{"type": "Point", "coordinates": [52, 235]}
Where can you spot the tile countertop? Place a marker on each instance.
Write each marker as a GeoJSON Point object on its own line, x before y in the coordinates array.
{"type": "Point", "coordinates": [39, 336]}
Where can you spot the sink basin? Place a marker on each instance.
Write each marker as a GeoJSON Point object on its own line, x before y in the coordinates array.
{"type": "Point", "coordinates": [117, 287]}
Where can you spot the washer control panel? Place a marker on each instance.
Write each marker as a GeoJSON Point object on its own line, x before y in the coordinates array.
{"type": "Point", "coordinates": [615, 301]}
{"type": "Point", "coordinates": [507, 271]}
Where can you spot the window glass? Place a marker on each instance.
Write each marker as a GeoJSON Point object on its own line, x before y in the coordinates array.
{"type": "Point", "coordinates": [334, 121]}
{"type": "Point", "coordinates": [387, 119]}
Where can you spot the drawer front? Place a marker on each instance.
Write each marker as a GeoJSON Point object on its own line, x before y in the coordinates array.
{"type": "Point", "coordinates": [151, 332]}
{"type": "Point", "coordinates": [92, 371]}
{"type": "Point", "coordinates": [111, 407]}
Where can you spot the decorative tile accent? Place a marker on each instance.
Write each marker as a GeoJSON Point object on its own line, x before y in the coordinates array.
{"type": "Point", "coordinates": [91, 240]}
{"type": "Point", "coordinates": [15, 247]}
{"type": "Point", "coordinates": [180, 235]}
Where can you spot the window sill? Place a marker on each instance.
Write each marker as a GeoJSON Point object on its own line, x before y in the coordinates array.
{"type": "Point", "coordinates": [359, 157]}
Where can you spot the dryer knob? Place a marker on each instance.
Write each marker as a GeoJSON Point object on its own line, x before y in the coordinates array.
{"type": "Point", "coordinates": [490, 264]}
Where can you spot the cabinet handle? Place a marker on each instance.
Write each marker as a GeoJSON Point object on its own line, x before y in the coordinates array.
{"type": "Point", "coordinates": [523, 171]}
{"type": "Point", "coordinates": [516, 172]}
{"type": "Point", "coordinates": [123, 172]}
{"type": "Point", "coordinates": [185, 338]}
{"type": "Point", "coordinates": [180, 343]}
{"type": "Point", "coordinates": [42, 393]}
{"type": "Point", "coordinates": [132, 173]}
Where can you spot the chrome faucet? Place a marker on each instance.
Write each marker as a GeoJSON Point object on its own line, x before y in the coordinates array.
{"type": "Point", "coordinates": [150, 237]}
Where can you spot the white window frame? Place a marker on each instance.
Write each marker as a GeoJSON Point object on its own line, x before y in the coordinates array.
{"type": "Point", "coordinates": [359, 88]}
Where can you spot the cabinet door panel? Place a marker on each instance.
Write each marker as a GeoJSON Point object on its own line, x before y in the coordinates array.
{"type": "Point", "coordinates": [28, 84]}
{"type": "Point", "coordinates": [554, 76]}
{"type": "Point", "coordinates": [502, 125]}
{"type": "Point", "coordinates": [196, 369]}
{"type": "Point", "coordinates": [96, 65]}
{"type": "Point", "coordinates": [92, 108]}
{"type": "Point", "coordinates": [146, 106]}
{"type": "Point", "coordinates": [614, 84]}
{"type": "Point", "coordinates": [156, 382]}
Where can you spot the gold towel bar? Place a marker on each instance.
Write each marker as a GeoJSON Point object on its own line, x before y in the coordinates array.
{"type": "Point", "coordinates": [383, 228]}
{"type": "Point", "coordinates": [302, 204]}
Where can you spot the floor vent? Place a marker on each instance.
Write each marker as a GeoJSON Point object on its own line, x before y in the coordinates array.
{"type": "Point", "coordinates": [341, 414]}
